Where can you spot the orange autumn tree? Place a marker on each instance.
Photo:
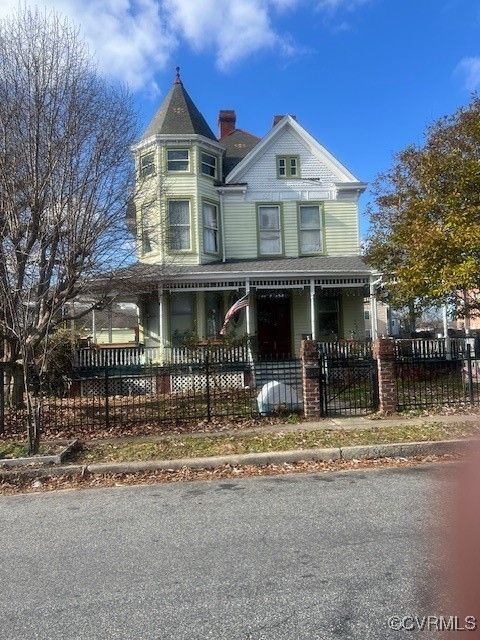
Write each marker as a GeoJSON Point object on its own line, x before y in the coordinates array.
{"type": "Point", "coordinates": [425, 218]}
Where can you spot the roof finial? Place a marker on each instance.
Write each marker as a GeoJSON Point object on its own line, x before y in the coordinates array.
{"type": "Point", "coordinates": [177, 77]}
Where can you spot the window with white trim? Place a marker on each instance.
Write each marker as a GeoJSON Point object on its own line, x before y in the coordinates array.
{"type": "Point", "coordinates": [179, 225]}
{"type": "Point", "coordinates": [288, 166]}
{"type": "Point", "coordinates": [210, 228]}
{"type": "Point", "coordinates": [209, 164]}
{"type": "Point", "coordinates": [178, 159]}
{"type": "Point", "coordinates": [309, 230]}
{"type": "Point", "coordinates": [270, 234]}
{"type": "Point", "coordinates": [147, 165]}
{"type": "Point", "coordinates": [148, 228]}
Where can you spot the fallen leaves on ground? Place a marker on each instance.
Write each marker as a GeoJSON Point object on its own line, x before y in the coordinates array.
{"type": "Point", "coordinates": [89, 481]}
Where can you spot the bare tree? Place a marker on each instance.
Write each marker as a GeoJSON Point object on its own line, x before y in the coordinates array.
{"type": "Point", "coordinates": [65, 175]}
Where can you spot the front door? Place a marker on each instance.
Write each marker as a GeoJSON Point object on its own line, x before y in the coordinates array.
{"type": "Point", "coordinates": [274, 324]}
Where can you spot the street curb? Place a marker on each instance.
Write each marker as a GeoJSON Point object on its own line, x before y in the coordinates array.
{"type": "Point", "coordinates": [361, 452]}
{"type": "Point", "coordinates": [406, 449]}
{"type": "Point", "coordinates": [11, 463]}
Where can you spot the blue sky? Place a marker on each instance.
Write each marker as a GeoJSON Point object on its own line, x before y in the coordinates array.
{"type": "Point", "coordinates": [364, 77]}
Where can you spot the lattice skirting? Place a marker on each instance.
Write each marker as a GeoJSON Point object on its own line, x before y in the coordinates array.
{"type": "Point", "coordinates": [198, 381]}
{"type": "Point", "coordinates": [131, 386]}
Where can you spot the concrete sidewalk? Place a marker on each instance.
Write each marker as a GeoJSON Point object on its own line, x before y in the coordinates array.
{"type": "Point", "coordinates": [337, 423]}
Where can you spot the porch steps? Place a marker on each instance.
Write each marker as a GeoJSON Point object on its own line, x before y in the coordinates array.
{"type": "Point", "coordinates": [289, 372]}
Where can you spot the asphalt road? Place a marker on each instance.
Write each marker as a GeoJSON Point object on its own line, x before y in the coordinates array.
{"type": "Point", "coordinates": [316, 556]}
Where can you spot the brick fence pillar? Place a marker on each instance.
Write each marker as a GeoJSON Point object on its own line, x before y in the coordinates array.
{"type": "Point", "coordinates": [384, 353]}
{"type": "Point", "coordinates": [312, 405]}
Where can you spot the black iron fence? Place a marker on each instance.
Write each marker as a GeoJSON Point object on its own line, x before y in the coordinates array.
{"type": "Point", "coordinates": [348, 378]}
{"type": "Point", "coordinates": [436, 382]}
{"type": "Point", "coordinates": [121, 397]}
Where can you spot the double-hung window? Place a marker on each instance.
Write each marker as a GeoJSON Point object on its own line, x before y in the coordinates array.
{"type": "Point", "coordinates": [209, 164]}
{"type": "Point", "coordinates": [147, 165]}
{"type": "Point", "coordinates": [288, 166]}
{"type": "Point", "coordinates": [179, 225]}
{"type": "Point", "coordinates": [148, 230]}
{"type": "Point", "coordinates": [309, 229]}
{"type": "Point", "coordinates": [178, 159]}
{"type": "Point", "coordinates": [270, 233]}
{"type": "Point", "coordinates": [210, 228]}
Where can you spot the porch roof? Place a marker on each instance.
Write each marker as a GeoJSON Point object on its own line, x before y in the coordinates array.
{"type": "Point", "coordinates": [328, 271]}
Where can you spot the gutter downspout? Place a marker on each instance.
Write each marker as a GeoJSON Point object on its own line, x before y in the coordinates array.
{"type": "Point", "coordinates": [222, 227]}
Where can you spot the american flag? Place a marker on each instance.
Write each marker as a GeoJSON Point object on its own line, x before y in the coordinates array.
{"type": "Point", "coordinates": [235, 308]}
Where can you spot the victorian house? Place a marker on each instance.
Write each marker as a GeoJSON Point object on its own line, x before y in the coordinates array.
{"type": "Point", "coordinates": [217, 217]}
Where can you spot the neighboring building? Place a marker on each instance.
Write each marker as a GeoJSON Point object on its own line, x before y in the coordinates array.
{"type": "Point", "coordinates": [388, 323]}
{"type": "Point", "coordinates": [215, 218]}
{"type": "Point", "coordinates": [117, 324]}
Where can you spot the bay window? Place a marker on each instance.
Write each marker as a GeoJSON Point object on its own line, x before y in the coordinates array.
{"type": "Point", "coordinates": [209, 164]}
{"type": "Point", "coordinates": [179, 225]}
{"type": "Point", "coordinates": [210, 228]}
{"type": "Point", "coordinates": [178, 159]}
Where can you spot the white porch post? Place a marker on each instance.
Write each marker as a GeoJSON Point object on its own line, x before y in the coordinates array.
{"type": "Point", "coordinates": [161, 328]}
{"type": "Point", "coordinates": [373, 312]}
{"type": "Point", "coordinates": [448, 346]}
{"type": "Point", "coordinates": [110, 323]}
{"type": "Point", "coordinates": [94, 326]}
{"type": "Point", "coordinates": [313, 322]}
{"type": "Point", "coordinates": [248, 318]}
{"type": "Point", "coordinates": [445, 321]}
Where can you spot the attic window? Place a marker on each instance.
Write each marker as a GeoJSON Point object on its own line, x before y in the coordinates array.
{"type": "Point", "coordinates": [147, 165]}
{"type": "Point", "coordinates": [288, 166]}
{"type": "Point", "coordinates": [178, 160]}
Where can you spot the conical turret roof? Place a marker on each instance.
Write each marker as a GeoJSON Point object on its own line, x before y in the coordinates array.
{"type": "Point", "coordinates": [178, 115]}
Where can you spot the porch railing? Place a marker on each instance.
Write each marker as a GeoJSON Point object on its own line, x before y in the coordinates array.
{"type": "Point", "coordinates": [434, 348]}
{"type": "Point", "coordinates": [216, 353]}
{"type": "Point", "coordinates": [88, 358]}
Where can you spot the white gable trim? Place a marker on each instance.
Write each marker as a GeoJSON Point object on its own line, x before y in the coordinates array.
{"type": "Point", "coordinates": [332, 163]}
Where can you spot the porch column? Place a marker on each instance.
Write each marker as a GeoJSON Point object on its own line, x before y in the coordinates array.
{"type": "Point", "coordinates": [94, 326]}
{"type": "Point", "coordinates": [200, 314]}
{"type": "Point", "coordinates": [448, 351]}
{"type": "Point", "coordinates": [247, 292]}
{"type": "Point", "coordinates": [313, 320]}
{"type": "Point", "coordinates": [110, 323]}
{"type": "Point", "coordinates": [373, 312]}
{"type": "Point", "coordinates": [161, 324]}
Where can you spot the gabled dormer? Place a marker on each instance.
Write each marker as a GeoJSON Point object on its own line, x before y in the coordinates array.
{"type": "Point", "coordinates": [178, 161]}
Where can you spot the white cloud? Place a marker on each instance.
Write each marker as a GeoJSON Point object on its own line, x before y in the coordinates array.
{"type": "Point", "coordinates": [128, 37]}
{"type": "Point", "coordinates": [334, 5]}
{"type": "Point", "coordinates": [134, 39]}
{"type": "Point", "coordinates": [234, 30]}
{"type": "Point", "coordinates": [470, 69]}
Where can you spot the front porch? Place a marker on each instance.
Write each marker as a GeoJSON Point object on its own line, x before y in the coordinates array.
{"type": "Point", "coordinates": [290, 299]}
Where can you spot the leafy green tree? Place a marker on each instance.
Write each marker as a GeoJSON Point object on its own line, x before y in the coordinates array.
{"type": "Point", "coordinates": [425, 217]}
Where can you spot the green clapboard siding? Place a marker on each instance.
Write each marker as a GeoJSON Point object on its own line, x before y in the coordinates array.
{"type": "Point", "coordinates": [240, 229]}
{"type": "Point", "coordinates": [341, 228]}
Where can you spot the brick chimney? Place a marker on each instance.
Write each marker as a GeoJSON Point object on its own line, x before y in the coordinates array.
{"type": "Point", "coordinates": [227, 120]}
{"type": "Point", "coordinates": [276, 119]}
